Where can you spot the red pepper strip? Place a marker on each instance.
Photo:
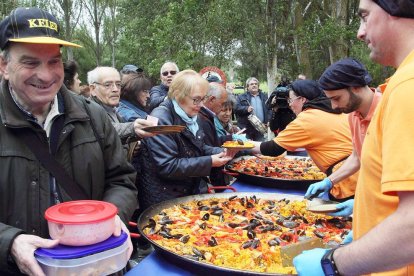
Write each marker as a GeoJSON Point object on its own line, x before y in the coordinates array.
{"type": "Point", "coordinates": [155, 237]}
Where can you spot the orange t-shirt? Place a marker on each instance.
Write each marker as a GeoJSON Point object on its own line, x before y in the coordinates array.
{"type": "Point", "coordinates": [387, 152]}
{"type": "Point", "coordinates": [359, 125]}
{"type": "Point", "coordinates": [327, 139]}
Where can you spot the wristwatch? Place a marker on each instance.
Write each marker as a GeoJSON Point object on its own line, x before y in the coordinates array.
{"type": "Point", "coordinates": [328, 264]}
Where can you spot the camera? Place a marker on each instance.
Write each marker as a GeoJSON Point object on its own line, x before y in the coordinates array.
{"type": "Point", "coordinates": [282, 115]}
{"type": "Point", "coordinates": [278, 98]}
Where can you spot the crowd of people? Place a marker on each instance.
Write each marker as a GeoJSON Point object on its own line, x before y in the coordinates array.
{"type": "Point", "coordinates": [97, 136]}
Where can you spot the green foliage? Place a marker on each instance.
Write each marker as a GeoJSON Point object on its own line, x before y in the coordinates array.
{"type": "Point", "coordinates": [235, 35]}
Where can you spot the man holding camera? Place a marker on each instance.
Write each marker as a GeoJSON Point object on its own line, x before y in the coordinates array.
{"type": "Point", "coordinates": [282, 115]}
{"type": "Point", "coordinates": [252, 102]}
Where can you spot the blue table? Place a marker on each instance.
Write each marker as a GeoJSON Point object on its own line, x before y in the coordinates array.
{"type": "Point", "coordinates": [155, 265]}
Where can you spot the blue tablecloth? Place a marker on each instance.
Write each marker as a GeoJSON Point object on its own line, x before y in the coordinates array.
{"type": "Point", "coordinates": [155, 265]}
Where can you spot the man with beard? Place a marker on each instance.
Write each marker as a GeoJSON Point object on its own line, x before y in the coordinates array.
{"type": "Point", "coordinates": [384, 199]}
{"type": "Point", "coordinates": [345, 83]}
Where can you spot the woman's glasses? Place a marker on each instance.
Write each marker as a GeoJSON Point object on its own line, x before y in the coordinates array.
{"type": "Point", "coordinates": [197, 101]}
{"type": "Point", "coordinates": [291, 100]}
{"type": "Point", "coordinates": [109, 85]}
{"type": "Point", "coordinates": [172, 73]}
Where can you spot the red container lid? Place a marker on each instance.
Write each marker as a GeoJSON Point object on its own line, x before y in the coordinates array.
{"type": "Point", "coordinates": [81, 212]}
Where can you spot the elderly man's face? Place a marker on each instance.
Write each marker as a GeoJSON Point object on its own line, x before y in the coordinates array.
{"type": "Point", "coordinates": [167, 74]}
{"type": "Point", "coordinates": [35, 72]}
{"type": "Point", "coordinates": [108, 89]}
{"type": "Point", "coordinates": [216, 104]}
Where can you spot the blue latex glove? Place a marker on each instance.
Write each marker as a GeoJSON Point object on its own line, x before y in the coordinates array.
{"type": "Point", "coordinates": [345, 209]}
{"type": "Point", "coordinates": [239, 136]}
{"type": "Point", "coordinates": [348, 238]}
{"type": "Point", "coordinates": [308, 263]}
{"type": "Point", "coordinates": [323, 186]}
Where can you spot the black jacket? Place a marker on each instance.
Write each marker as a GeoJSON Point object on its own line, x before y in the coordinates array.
{"type": "Point", "coordinates": [103, 173]}
{"type": "Point", "coordinates": [172, 165]}
{"type": "Point", "coordinates": [242, 104]}
{"type": "Point", "coordinates": [157, 95]}
{"type": "Point", "coordinates": [206, 122]}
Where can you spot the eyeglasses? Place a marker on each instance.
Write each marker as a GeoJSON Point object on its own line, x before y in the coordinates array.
{"type": "Point", "coordinates": [197, 101]}
{"type": "Point", "coordinates": [291, 100]}
{"type": "Point", "coordinates": [172, 73]}
{"type": "Point", "coordinates": [109, 85]}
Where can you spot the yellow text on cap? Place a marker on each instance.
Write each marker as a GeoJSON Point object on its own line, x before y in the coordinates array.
{"type": "Point", "coordinates": [40, 23]}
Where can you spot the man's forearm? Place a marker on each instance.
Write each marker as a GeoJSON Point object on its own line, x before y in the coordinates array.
{"type": "Point", "coordinates": [387, 246]}
{"type": "Point", "coordinates": [349, 167]}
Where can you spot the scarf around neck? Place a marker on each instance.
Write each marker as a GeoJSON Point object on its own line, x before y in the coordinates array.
{"type": "Point", "coordinates": [191, 122]}
{"type": "Point", "coordinates": [219, 127]}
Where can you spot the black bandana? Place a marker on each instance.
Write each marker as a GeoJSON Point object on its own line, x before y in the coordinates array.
{"type": "Point", "coordinates": [347, 72]}
{"type": "Point", "coordinates": [316, 98]}
{"type": "Point", "coordinates": [399, 8]}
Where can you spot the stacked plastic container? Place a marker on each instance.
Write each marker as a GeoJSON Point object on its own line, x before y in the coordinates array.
{"type": "Point", "coordinates": [86, 244]}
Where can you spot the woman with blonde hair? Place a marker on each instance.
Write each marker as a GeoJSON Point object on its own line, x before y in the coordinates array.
{"type": "Point", "coordinates": [176, 165]}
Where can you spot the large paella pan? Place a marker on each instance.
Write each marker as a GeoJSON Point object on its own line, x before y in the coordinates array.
{"type": "Point", "coordinates": [283, 173]}
{"type": "Point", "coordinates": [229, 233]}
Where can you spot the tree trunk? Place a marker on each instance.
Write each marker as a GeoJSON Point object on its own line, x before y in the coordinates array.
{"type": "Point", "coordinates": [302, 51]}
{"type": "Point", "coordinates": [271, 44]}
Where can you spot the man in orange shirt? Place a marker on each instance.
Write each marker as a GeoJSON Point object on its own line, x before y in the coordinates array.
{"type": "Point", "coordinates": [384, 200]}
{"type": "Point", "coordinates": [346, 84]}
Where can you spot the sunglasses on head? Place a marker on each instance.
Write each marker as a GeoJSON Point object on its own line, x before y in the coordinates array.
{"type": "Point", "coordinates": [172, 73]}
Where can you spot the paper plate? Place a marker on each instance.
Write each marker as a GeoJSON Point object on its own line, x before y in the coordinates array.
{"type": "Point", "coordinates": [235, 145]}
{"type": "Point", "coordinates": [164, 129]}
{"type": "Point", "coordinates": [323, 208]}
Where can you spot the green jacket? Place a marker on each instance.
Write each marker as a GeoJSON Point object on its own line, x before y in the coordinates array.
{"type": "Point", "coordinates": [24, 183]}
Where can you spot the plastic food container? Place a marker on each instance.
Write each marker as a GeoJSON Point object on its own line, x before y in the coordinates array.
{"type": "Point", "coordinates": [102, 258]}
{"type": "Point", "coordinates": [81, 222]}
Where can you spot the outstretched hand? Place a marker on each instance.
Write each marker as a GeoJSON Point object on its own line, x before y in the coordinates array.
{"type": "Point", "coordinates": [220, 159]}
{"type": "Point", "coordinates": [139, 124]}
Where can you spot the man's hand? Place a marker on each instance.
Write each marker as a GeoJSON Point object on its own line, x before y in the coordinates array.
{"type": "Point", "coordinates": [345, 209]}
{"type": "Point", "coordinates": [139, 124]}
{"type": "Point", "coordinates": [309, 262]}
{"type": "Point", "coordinates": [23, 249]}
{"type": "Point", "coordinates": [119, 225]}
{"type": "Point", "coordinates": [231, 152]}
{"type": "Point", "coordinates": [321, 187]}
{"type": "Point", "coordinates": [220, 159]}
{"type": "Point", "coordinates": [250, 109]}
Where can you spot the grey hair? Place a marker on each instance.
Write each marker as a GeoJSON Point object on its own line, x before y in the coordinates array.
{"type": "Point", "coordinates": [6, 54]}
{"type": "Point", "coordinates": [250, 79]}
{"type": "Point", "coordinates": [216, 90]}
{"type": "Point", "coordinates": [169, 63]}
{"type": "Point", "coordinates": [95, 74]}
